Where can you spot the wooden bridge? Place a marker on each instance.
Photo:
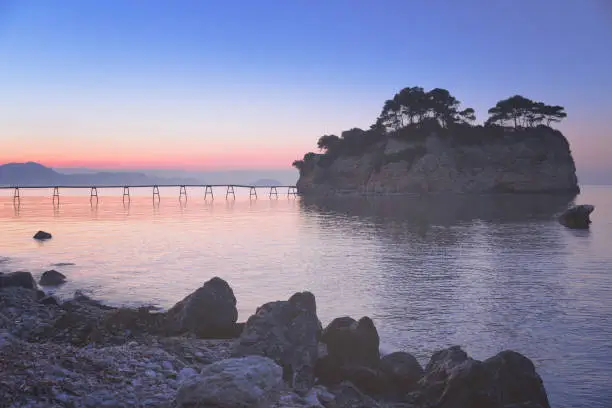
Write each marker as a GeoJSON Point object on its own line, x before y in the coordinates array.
{"type": "Point", "coordinates": [208, 190]}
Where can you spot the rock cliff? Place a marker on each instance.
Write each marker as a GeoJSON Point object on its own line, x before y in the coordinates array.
{"type": "Point", "coordinates": [489, 160]}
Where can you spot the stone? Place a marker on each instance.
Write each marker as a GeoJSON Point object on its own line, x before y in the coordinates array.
{"type": "Point", "coordinates": [288, 332]}
{"type": "Point", "coordinates": [346, 395]}
{"type": "Point", "coordinates": [454, 380]}
{"type": "Point", "coordinates": [577, 217]}
{"type": "Point", "coordinates": [42, 235]}
{"type": "Point", "coordinates": [186, 373]}
{"type": "Point", "coordinates": [52, 278]}
{"type": "Point", "coordinates": [49, 300]}
{"type": "Point", "coordinates": [17, 279]}
{"type": "Point", "coordinates": [517, 379]}
{"type": "Point", "coordinates": [251, 381]}
{"type": "Point", "coordinates": [352, 354]}
{"type": "Point", "coordinates": [352, 342]}
{"type": "Point", "coordinates": [402, 372]}
{"type": "Point", "coordinates": [209, 312]}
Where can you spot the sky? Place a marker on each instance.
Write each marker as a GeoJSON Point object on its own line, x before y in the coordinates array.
{"type": "Point", "coordinates": [253, 84]}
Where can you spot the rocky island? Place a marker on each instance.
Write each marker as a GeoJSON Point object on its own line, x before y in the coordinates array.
{"type": "Point", "coordinates": [424, 142]}
{"type": "Point", "coordinates": [81, 353]}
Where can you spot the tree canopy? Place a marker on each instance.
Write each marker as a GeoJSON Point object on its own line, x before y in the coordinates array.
{"type": "Point", "coordinates": [413, 105]}
{"type": "Point", "coordinates": [413, 112]}
{"type": "Point", "coordinates": [523, 112]}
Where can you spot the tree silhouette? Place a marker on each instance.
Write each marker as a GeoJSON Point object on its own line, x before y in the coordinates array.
{"type": "Point", "coordinates": [524, 112]}
{"type": "Point", "coordinates": [328, 142]}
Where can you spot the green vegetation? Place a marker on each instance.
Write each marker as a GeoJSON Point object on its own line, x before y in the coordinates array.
{"type": "Point", "coordinates": [412, 114]}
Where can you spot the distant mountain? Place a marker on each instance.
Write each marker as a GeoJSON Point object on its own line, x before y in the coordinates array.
{"type": "Point", "coordinates": [32, 174]}
{"type": "Point", "coordinates": [266, 182]}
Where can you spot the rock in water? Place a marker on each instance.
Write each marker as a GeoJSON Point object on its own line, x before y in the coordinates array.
{"type": "Point", "coordinates": [516, 378]}
{"type": "Point", "coordinates": [402, 371]}
{"type": "Point", "coordinates": [251, 381]}
{"type": "Point", "coordinates": [42, 235]}
{"type": "Point", "coordinates": [287, 332]}
{"type": "Point", "coordinates": [52, 278]}
{"type": "Point", "coordinates": [17, 279]}
{"type": "Point", "coordinates": [352, 354]}
{"type": "Point", "coordinates": [454, 380]}
{"type": "Point", "coordinates": [208, 312]}
{"type": "Point", "coordinates": [577, 217]}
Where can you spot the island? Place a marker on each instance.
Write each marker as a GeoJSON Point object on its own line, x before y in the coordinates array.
{"type": "Point", "coordinates": [424, 141]}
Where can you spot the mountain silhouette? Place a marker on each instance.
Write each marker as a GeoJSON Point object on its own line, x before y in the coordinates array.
{"type": "Point", "coordinates": [34, 174]}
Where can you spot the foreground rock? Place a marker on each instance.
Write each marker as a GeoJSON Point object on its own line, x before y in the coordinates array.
{"type": "Point", "coordinates": [454, 380]}
{"type": "Point", "coordinates": [17, 279]}
{"type": "Point", "coordinates": [577, 217]}
{"type": "Point", "coordinates": [52, 278]}
{"type": "Point", "coordinates": [287, 332]}
{"type": "Point", "coordinates": [42, 235]}
{"type": "Point", "coordinates": [251, 381]}
{"type": "Point", "coordinates": [209, 312]}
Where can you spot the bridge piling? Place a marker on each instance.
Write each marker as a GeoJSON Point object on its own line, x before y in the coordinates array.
{"type": "Point", "coordinates": [252, 192]}
{"type": "Point", "coordinates": [182, 192]}
{"type": "Point", "coordinates": [16, 195]}
{"type": "Point", "coordinates": [291, 191]}
{"type": "Point", "coordinates": [56, 194]}
{"type": "Point", "coordinates": [93, 193]}
{"type": "Point", "coordinates": [156, 193]}
{"type": "Point", "coordinates": [274, 192]}
{"type": "Point", "coordinates": [126, 193]}
{"type": "Point", "coordinates": [208, 189]}
{"type": "Point", "coordinates": [230, 190]}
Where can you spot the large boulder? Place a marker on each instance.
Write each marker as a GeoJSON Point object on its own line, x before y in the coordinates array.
{"type": "Point", "coordinates": [577, 217]}
{"type": "Point", "coordinates": [42, 235]}
{"type": "Point", "coordinates": [402, 371]}
{"type": "Point", "coordinates": [17, 279]}
{"type": "Point", "coordinates": [288, 332]}
{"type": "Point", "coordinates": [52, 278]}
{"type": "Point", "coordinates": [251, 381]}
{"type": "Point", "coordinates": [352, 354]}
{"type": "Point", "coordinates": [209, 312]}
{"type": "Point", "coordinates": [454, 380]}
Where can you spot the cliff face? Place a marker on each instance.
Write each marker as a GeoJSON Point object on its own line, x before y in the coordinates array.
{"type": "Point", "coordinates": [527, 161]}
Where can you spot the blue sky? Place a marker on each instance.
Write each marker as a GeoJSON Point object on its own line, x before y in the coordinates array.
{"type": "Point", "coordinates": [255, 83]}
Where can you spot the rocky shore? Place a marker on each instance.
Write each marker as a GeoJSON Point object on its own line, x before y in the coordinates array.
{"type": "Point", "coordinates": [80, 353]}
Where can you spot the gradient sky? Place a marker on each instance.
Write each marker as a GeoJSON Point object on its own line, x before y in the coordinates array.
{"type": "Point", "coordinates": [253, 84]}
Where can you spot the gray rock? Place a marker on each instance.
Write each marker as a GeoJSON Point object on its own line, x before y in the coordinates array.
{"type": "Point", "coordinates": [208, 312]}
{"type": "Point", "coordinates": [454, 380]}
{"type": "Point", "coordinates": [352, 354]}
{"type": "Point", "coordinates": [52, 278]}
{"type": "Point", "coordinates": [287, 332]}
{"type": "Point", "coordinates": [251, 381]}
{"type": "Point", "coordinates": [346, 395]}
{"type": "Point", "coordinates": [42, 235]}
{"type": "Point", "coordinates": [577, 217]}
{"type": "Point", "coordinates": [49, 300]}
{"type": "Point", "coordinates": [17, 279]}
{"type": "Point", "coordinates": [402, 371]}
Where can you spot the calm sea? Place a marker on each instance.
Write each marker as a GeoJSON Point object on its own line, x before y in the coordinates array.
{"type": "Point", "coordinates": [487, 273]}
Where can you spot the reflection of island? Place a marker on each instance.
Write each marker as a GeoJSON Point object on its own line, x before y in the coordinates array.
{"type": "Point", "coordinates": [442, 209]}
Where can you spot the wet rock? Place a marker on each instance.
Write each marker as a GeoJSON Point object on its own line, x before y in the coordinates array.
{"type": "Point", "coordinates": [52, 278]}
{"type": "Point", "coordinates": [287, 332]}
{"type": "Point", "coordinates": [42, 235]}
{"type": "Point", "coordinates": [454, 380]}
{"type": "Point", "coordinates": [209, 312]}
{"type": "Point", "coordinates": [352, 354]}
{"type": "Point", "coordinates": [63, 264]}
{"type": "Point", "coordinates": [402, 372]}
{"type": "Point", "coordinates": [251, 381]}
{"type": "Point", "coordinates": [17, 279]}
{"type": "Point", "coordinates": [577, 217]}
{"type": "Point", "coordinates": [517, 380]}
{"type": "Point", "coordinates": [353, 342]}
{"type": "Point", "coordinates": [40, 294]}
